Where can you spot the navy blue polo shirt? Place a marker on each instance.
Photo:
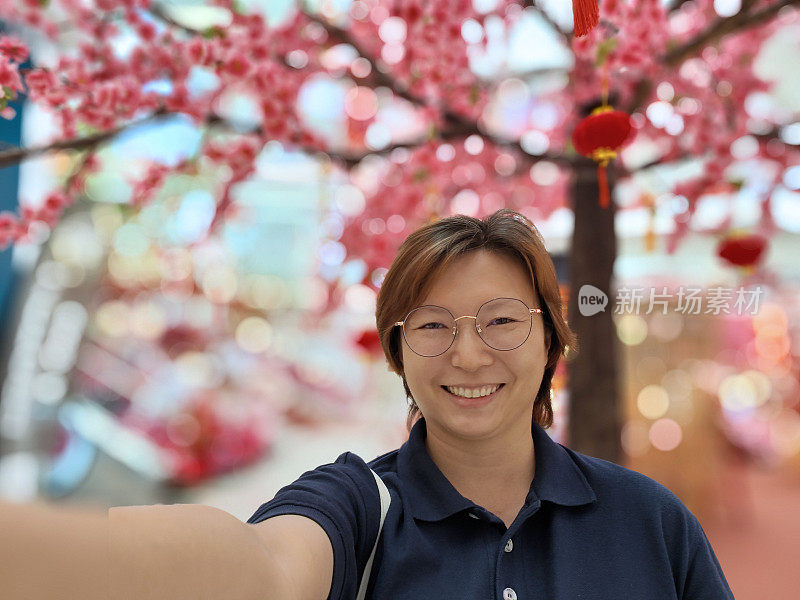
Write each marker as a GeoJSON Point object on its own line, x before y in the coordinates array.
{"type": "Point", "coordinates": [589, 530]}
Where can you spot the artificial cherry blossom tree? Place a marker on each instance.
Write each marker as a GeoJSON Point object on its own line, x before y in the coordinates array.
{"type": "Point", "coordinates": [680, 69]}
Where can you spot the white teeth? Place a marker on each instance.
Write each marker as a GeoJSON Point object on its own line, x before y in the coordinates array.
{"type": "Point", "coordinates": [473, 392]}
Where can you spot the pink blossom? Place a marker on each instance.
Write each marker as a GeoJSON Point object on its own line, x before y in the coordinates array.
{"type": "Point", "coordinates": [145, 188]}
{"type": "Point", "coordinates": [147, 31]}
{"type": "Point", "coordinates": [180, 101]}
{"type": "Point", "coordinates": [40, 82]}
{"type": "Point", "coordinates": [237, 65]}
{"type": "Point", "coordinates": [196, 51]}
{"type": "Point", "coordinates": [8, 223]}
{"type": "Point", "coordinates": [57, 201]}
{"type": "Point", "coordinates": [13, 48]}
{"type": "Point", "coordinates": [9, 76]}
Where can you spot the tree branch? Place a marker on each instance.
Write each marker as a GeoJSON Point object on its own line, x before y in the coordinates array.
{"type": "Point", "coordinates": [77, 171]}
{"type": "Point", "coordinates": [675, 6]}
{"type": "Point", "coordinates": [457, 125]}
{"type": "Point", "coordinates": [661, 162]}
{"type": "Point", "coordinates": [351, 160]}
{"type": "Point", "coordinates": [378, 76]}
{"type": "Point", "coordinates": [565, 36]}
{"type": "Point", "coordinates": [157, 10]}
{"type": "Point", "coordinates": [739, 22]}
{"type": "Point", "coordinates": [16, 155]}
{"type": "Point", "coordinates": [658, 162]}
{"type": "Point", "coordinates": [526, 75]}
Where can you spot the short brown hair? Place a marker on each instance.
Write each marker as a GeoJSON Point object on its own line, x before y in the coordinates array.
{"type": "Point", "coordinates": [431, 248]}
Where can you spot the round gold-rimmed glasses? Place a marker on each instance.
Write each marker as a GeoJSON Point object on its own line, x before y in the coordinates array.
{"type": "Point", "coordinates": [502, 323]}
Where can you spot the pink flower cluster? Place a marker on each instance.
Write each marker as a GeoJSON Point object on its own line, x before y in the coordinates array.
{"type": "Point", "coordinates": [467, 177]}
{"type": "Point", "coordinates": [144, 189]}
{"type": "Point", "coordinates": [415, 48]}
{"type": "Point", "coordinates": [28, 12]}
{"type": "Point", "coordinates": [100, 87]}
{"type": "Point", "coordinates": [12, 53]}
{"type": "Point", "coordinates": [626, 43]}
{"type": "Point", "coordinates": [15, 228]}
{"type": "Point", "coordinates": [239, 156]}
{"type": "Point", "coordinates": [431, 58]}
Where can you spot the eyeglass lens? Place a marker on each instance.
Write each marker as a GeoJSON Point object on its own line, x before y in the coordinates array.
{"type": "Point", "coordinates": [503, 324]}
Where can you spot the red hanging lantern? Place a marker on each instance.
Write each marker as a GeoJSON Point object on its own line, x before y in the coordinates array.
{"type": "Point", "coordinates": [599, 136]}
{"type": "Point", "coordinates": [585, 15]}
{"type": "Point", "coordinates": [742, 249]}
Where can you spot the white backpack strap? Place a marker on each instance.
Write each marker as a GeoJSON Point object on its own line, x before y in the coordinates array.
{"type": "Point", "coordinates": [386, 499]}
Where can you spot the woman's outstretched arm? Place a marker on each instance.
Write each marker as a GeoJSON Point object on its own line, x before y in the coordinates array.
{"type": "Point", "coordinates": [51, 552]}
{"type": "Point", "coordinates": [188, 551]}
{"type": "Point", "coordinates": [158, 552]}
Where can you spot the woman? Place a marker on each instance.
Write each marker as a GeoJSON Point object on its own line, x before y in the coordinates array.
{"type": "Point", "coordinates": [483, 503]}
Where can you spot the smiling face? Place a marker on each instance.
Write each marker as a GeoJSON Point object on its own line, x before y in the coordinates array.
{"type": "Point", "coordinates": [467, 283]}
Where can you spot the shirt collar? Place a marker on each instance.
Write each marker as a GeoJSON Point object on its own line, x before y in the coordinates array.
{"type": "Point", "coordinates": [432, 497]}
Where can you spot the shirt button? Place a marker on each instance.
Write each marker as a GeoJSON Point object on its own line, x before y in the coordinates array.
{"type": "Point", "coordinates": [509, 594]}
{"type": "Point", "coordinates": [509, 545]}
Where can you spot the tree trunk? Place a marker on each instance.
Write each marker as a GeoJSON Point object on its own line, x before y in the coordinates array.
{"type": "Point", "coordinates": [595, 420]}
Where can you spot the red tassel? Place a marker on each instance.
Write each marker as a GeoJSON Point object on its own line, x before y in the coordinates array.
{"type": "Point", "coordinates": [585, 14]}
{"type": "Point", "coordinates": [602, 183]}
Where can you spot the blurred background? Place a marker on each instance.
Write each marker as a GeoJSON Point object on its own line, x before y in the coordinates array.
{"type": "Point", "coordinates": [201, 200]}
